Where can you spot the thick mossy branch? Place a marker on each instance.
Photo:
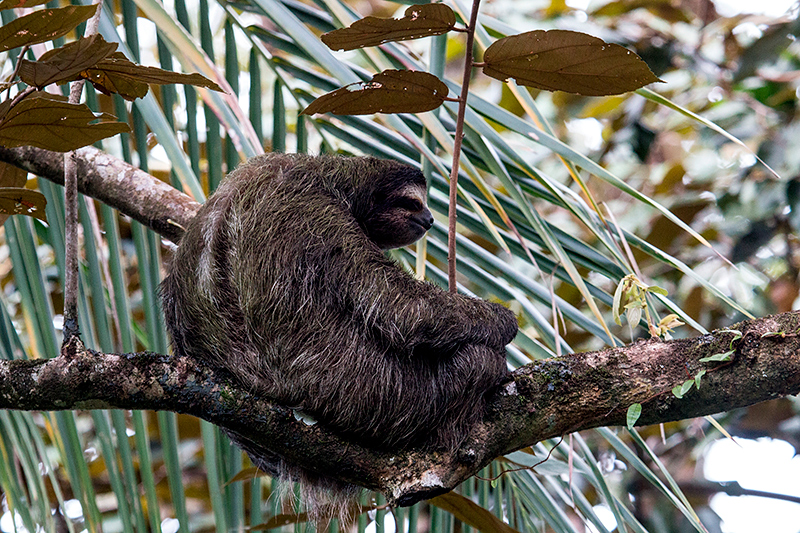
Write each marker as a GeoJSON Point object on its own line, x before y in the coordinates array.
{"type": "Point", "coordinates": [545, 399]}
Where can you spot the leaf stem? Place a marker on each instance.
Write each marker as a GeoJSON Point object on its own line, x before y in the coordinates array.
{"type": "Point", "coordinates": [459, 133]}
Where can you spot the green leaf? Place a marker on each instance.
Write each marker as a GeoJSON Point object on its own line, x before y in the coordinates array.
{"type": "Point", "coordinates": [679, 390]}
{"type": "Point", "coordinates": [634, 412]}
{"type": "Point", "coordinates": [64, 63]}
{"type": "Point", "coordinates": [698, 377]}
{"type": "Point", "coordinates": [50, 122]}
{"type": "Point", "coordinates": [390, 91]}
{"type": "Point", "coordinates": [419, 21]}
{"type": "Point", "coordinates": [718, 357]}
{"type": "Point", "coordinates": [619, 304]}
{"type": "Point", "coordinates": [118, 75]}
{"type": "Point", "coordinates": [43, 25]}
{"type": "Point", "coordinates": [21, 201]}
{"type": "Point", "coordinates": [658, 290]}
{"type": "Point", "coordinates": [561, 60]}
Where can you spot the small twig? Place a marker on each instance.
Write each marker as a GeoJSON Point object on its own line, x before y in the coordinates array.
{"type": "Point", "coordinates": [20, 95]}
{"type": "Point", "coordinates": [71, 325]}
{"type": "Point", "coordinates": [462, 110]}
{"type": "Point", "coordinates": [20, 57]}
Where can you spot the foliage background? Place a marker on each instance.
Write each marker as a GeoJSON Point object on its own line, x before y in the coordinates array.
{"type": "Point", "coordinates": [122, 471]}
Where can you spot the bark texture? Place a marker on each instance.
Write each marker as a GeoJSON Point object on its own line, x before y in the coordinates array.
{"type": "Point", "coordinates": [545, 399]}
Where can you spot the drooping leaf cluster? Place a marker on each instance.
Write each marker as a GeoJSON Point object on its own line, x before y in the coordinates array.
{"type": "Point", "coordinates": [32, 117]}
{"type": "Point", "coordinates": [555, 60]}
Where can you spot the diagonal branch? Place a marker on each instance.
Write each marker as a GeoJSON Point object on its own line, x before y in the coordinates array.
{"type": "Point", "coordinates": [114, 182]}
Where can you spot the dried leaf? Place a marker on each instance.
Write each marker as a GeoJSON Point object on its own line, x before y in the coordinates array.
{"type": "Point", "coordinates": [43, 25]}
{"type": "Point", "coordinates": [21, 201]}
{"type": "Point", "coordinates": [561, 60]}
{"type": "Point", "coordinates": [419, 21]}
{"type": "Point", "coordinates": [471, 513]}
{"type": "Point", "coordinates": [118, 75]}
{"type": "Point", "coordinates": [50, 122]}
{"type": "Point", "coordinates": [11, 176]}
{"type": "Point", "coordinates": [62, 64]}
{"type": "Point", "coordinates": [390, 91]}
{"type": "Point", "coordinates": [13, 4]}
{"type": "Point", "coordinates": [660, 8]}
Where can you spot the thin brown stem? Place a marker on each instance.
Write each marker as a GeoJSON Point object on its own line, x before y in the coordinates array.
{"type": "Point", "coordinates": [462, 109]}
{"type": "Point", "coordinates": [71, 325]}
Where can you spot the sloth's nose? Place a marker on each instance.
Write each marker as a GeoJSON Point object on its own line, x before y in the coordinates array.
{"type": "Point", "coordinates": [424, 219]}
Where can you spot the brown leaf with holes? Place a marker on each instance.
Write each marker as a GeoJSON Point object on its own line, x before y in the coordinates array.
{"type": "Point", "coordinates": [13, 4]}
{"type": "Point", "coordinates": [569, 61]}
{"type": "Point", "coordinates": [11, 176]}
{"type": "Point", "coordinates": [50, 122]}
{"type": "Point", "coordinates": [43, 25]}
{"type": "Point", "coordinates": [419, 21]}
{"type": "Point", "coordinates": [118, 75]}
{"type": "Point", "coordinates": [21, 201]}
{"type": "Point", "coordinates": [62, 64]}
{"type": "Point", "coordinates": [390, 91]}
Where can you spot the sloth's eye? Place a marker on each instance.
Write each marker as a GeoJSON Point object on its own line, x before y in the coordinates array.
{"type": "Point", "coordinates": [411, 204]}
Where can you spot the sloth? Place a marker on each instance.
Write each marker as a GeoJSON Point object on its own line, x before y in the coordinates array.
{"type": "Point", "coordinates": [281, 282]}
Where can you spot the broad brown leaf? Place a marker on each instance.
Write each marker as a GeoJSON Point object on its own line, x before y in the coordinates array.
{"type": "Point", "coordinates": [21, 201]}
{"type": "Point", "coordinates": [11, 176]}
{"type": "Point", "coordinates": [471, 513]}
{"type": "Point", "coordinates": [62, 64]}
{"type": "Point", "coordinates": [116, 74]}
{"type": "Point", "coordinates": [390, 91]}
{"type": "Point", "coordinates": [12, 4]}
{"type": "Point", "coordinates": [419, 21]}
{"type": "Point", "coordinates": [43, 25]}
{"type": "Point", "coordinates": [561, 60]}
{"type": "Point", "coordinates": [51, 122]}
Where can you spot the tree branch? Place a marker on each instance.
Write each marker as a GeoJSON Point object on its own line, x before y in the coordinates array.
{"type": "Point", "coordinates": [545, 399]}
{"type": "Point", "coordinates": [114, 182]}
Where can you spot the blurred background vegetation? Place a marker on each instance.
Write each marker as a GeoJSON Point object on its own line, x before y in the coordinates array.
{"type": "Point", "coordinates": [561, 197]}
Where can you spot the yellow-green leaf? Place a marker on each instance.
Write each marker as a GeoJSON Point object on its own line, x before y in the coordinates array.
{"type": "Point", "coordinates": [118, 75]}
{"type": "Point", "coordinates": [12, 4]}
{"type": "Point", "coordinates": [471, 513]}
{"type": "Point", "coordinates": [561, 60]}
{"type": "Point", "coordinates": [64, 63]}
{"type": "Point", "coordinates": [43, 25]}
{"type": "Point", "coordinates": [50, 122]}
{"type": "Point", "coordinates": [21, 201]}
{"type": "Point", "coordinates": [390, 91]}
{"type": "Point", "coordinates": [419, 21]}
{"type": "Point", "coordinates": [634, 412]}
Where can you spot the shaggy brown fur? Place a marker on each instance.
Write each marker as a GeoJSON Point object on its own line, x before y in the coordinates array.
{"type": "Point", "coordinates": [281, 281]}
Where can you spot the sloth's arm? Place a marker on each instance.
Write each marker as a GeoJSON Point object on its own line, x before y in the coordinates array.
{"type": "Point", "coordinates": [408, 312]}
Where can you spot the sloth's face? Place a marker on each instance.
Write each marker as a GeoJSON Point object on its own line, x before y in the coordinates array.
{"type": "Point", "coordinates": [400, 218]}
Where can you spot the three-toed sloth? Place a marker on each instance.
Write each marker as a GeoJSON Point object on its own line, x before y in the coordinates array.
{"type": "Point", "coordinates": [281, 281]}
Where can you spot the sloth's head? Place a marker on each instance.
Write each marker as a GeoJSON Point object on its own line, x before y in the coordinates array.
{"type": "Point", "coordinates": [393, 208]}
